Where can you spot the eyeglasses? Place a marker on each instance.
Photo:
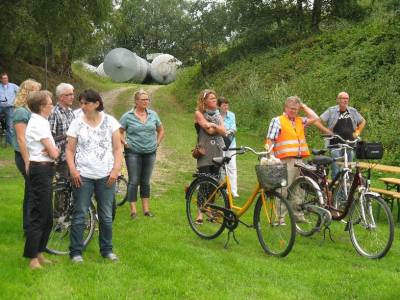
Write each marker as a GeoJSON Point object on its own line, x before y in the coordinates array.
{"type": "Point", "coordinates": [146, 99]}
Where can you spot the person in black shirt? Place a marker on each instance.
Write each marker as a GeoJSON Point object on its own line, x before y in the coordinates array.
{"type": "Point", "coordinates": [344, 121]}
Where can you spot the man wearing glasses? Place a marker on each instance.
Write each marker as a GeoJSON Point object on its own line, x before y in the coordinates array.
{"type": "Point", "coordinates": [8, 92]}
{"type": "Point", "coordinates": [59, 120]}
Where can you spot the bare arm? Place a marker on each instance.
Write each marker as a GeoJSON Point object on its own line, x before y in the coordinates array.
{"type": "Point", "coordinates": [20, 129]}
{"type": "Point", "coordinates": [70, 157]}
{"type": "Point", "coordinates": [209, 127]}
{"type": "Point", "coordinates": [312, 117]}
{"type": "Point", "coordinates": [160, 134]}
{"type": "Point", "coordinates": [122, 136]}
{"type": "Point", "coordinates": [322, 128]}
{"type": "Point", "coordinates": [116, 148]}
{"type": "Point", "coordinates": [51, 150]}
{"type": "Point", "coordinates": [360, 128]}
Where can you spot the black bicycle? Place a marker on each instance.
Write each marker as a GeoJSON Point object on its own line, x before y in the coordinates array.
{"type": "Point", "coordinates": [62, 215]}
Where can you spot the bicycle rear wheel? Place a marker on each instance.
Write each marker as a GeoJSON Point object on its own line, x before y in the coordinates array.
{"type": "Point", "coordinates": [275, 225]}
{"type": "Point", "coordinates": [371, 236]}
{"type": "Point", "coordinates": [301, 195]}
{"type": "Point", "coordinates": [202, 198]}
{"type": "Point", "coordinates": [59, 241]}
{"type": "Point", "coordinates": [121, 190]}
{"type": "Point", "coordinates": [340, 195]}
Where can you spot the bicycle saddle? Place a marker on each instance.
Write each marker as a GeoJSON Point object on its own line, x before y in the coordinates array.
{"type": "Point", "coordinates": [307, 167]}
{"type": "Point", "coordinates": [318, 152]}
{"type": "Point", "coordinates": [220, 160]}
{"type": "Point", "coordinates": [322, 160]}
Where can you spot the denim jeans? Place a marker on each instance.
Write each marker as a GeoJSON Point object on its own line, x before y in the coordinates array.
{"type": "Point", "coordinates": [335, 153]}
{"type": "Point", "coordinates": [8, 111]}
{"type": "Point", "coordinates": [41, 209]}
{"type": "Point", "coordinates": [82, 199]}
{"type": "Point", "coordinates": [140, 167]}
{"type": "Point", "coordinates": [25, 206]}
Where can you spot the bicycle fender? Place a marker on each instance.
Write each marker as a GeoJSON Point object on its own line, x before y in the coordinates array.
{"type": "Point", "coordinates": [195, 182]}
{"type": "Point", "coordinates": [316, 186]}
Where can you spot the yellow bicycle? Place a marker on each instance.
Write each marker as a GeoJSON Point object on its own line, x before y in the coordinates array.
{"type": "Point", "coordinates": [210, 206]}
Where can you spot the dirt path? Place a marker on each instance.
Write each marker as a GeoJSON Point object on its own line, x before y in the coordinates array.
{"type": "Point", "coordinates": [160, 170]}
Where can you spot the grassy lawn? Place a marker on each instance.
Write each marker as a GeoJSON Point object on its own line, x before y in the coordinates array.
{"type": "Point", "coordinates": [161, 258]}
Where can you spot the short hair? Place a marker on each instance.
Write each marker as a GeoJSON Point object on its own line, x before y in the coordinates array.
{"type": "Point", "coordinates": [292, 99]}
{"type": "Point", "coordinates": [2, 74]}
{"type": "Point", "coordinates": [25, 88]}
{"type": "Point", "coordinates": [62, 87]}
{"type": "Point", "coordinates": [222, 100]}
{"type": "Point", "coordinates": [339, 96]}
{"type": "Point", "coordinates": [140, 92]}
{"type": "Point", "coordinates": [37, 99]}
{"type": "Point", "coordinates": [90, 95]}
{"type": "Point", "coordinates": [201, 100]}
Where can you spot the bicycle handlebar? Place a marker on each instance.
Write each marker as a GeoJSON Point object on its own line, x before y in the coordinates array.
{"type": "Point", "coordinates": [244, 149]}
{"type": "Point", "coordinates": [346, 143]}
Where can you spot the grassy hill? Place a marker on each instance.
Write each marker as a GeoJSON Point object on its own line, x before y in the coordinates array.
{"type": "Point", "coordinates": [362, 59]}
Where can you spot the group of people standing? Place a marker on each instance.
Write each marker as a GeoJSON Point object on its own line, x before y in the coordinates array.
{"type": "Point", "coordinates": [286, 133]}
{"type": "Point", "coordinates": [84, 145]}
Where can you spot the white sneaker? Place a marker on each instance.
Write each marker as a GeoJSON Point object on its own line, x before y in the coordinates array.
{"type": "Point", "coordinates": [111, 256]}
{"type": "Point", "coordinates": [77, 259]}
{"type": "Point", "coordinates": [235, 195]}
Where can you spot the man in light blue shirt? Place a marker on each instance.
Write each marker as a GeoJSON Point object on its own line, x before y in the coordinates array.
{"type": "Point", "coordinates": [8, 92]}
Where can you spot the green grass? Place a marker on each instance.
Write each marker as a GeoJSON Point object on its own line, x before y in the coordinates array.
{"type": "Point", "coordinates": [161, 258]}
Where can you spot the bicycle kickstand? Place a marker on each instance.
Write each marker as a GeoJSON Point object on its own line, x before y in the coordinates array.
{"type": "Point", "coordinates": [229, 237]}
{"type": "Point", "coordinates": [327, 228]}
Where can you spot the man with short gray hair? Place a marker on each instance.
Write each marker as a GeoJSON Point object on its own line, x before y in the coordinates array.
{"type": "Point", "coordinates": [59, 120]}
{"type": "Point", "coordinates": [346, 122]}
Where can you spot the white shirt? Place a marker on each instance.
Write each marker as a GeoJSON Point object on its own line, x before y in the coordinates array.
{"type": "Point", "coordinates": [94, 157]}
{"type": "Point", "coordinates": [38, 128]}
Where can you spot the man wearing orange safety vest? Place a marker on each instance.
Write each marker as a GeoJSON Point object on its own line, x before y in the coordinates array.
{"type": "Point", "coordinates": [286, 134]}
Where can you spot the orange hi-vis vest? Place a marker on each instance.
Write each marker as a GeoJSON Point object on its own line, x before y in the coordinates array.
{"type": "Point", "coordinates": [291, 141]}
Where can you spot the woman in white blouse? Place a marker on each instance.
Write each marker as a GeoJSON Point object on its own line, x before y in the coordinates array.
{"type": "Point", "coordinates": [42, 152]}
{"type": "Point", "coordinates": [93, 156]}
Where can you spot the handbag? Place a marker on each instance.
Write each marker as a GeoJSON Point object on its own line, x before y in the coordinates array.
{"type": "Point", "coordinates": [198, 151]}
{"type": "Point", "coordinates": [368, 150]}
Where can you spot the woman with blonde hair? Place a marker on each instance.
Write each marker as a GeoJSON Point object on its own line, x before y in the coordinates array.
{"type": "Point", "coordinates": [210, 129]}
{"type": "Point", "coordinates": [22, 114]}
{"type": "Point", "coordinates": [143, 133]}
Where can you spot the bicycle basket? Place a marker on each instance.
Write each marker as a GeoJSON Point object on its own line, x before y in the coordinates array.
{"type": "Point", "coordinates": [272, 176]}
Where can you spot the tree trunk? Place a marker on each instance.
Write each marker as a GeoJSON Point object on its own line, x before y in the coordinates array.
{"type": "Point", "coordinates": [300, 15]}
{"type": "Point", "coordinates": [316, 15]}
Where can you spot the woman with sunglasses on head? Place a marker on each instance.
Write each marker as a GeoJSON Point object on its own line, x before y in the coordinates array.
{"type": "Point", "coordinates": [210, 129]}
{"type": "Point", "coordinates": [142, 133]}
{"type": "Point", "coordinates": [93, 155]}
{"type": "Point", "coordinates": [21, 117]}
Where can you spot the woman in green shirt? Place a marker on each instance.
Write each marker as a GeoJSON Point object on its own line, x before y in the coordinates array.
{"type": "Point", "coordinates": [22, 114]}
{"type": "Point", "coordinates": [143, 133]}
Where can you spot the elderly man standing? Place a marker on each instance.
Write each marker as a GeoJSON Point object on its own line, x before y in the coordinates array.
{"type": "Point", "coordinates": [344, 121]}
{"type": "Point", "coordinates": [286, 135]}
{"type": "Point", "coordinates": [59, 120]}
{"type": "Point", "coordinates": [8, 92]}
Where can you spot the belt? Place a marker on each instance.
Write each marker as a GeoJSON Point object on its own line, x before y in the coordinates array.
{"type": "Point", "coordinates": [41, 163]}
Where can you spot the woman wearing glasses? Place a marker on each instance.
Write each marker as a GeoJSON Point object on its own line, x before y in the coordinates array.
{"type": "Point", "coordinates": [142, 133]}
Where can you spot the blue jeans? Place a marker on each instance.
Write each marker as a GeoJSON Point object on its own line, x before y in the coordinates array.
{"type": "Point", "coordinates": [8, 112]}
{"type": "Point", "coordinates": [335, 153]}
{"type": "Point", "coordinates": [140, 167]}
{"type": "Point", "coordinates": [82, 198]}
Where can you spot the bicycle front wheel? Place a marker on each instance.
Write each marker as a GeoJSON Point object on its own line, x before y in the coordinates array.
{"type": "Point", "coordinates": [203, 199]}
{"type": "Point", "coordinates": [59, 241]}
{"type": "Point", "coordinates": [371, 226]}
{"type": "Point", "coordinates": [121, 191]}
{"type": "Point", "coordinates": [301, 195]}
{"type": "Point", "coordinates": [274, 223]}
